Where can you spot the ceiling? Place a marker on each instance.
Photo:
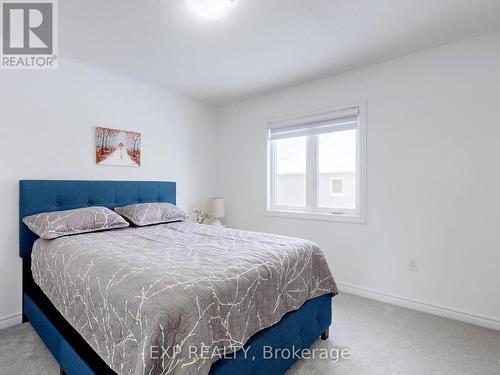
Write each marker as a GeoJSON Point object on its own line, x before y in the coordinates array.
{"type": "Point", "coordinates": [264, 44]}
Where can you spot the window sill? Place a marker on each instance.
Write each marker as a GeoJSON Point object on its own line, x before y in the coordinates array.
{"type": "Point", "coordinates": [345, 218]}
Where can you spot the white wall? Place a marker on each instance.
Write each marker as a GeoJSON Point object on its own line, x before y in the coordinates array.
{"type": "Point", "coordinates": [433, 147]}
{"type": "Point", "coordinates": [47, 126]}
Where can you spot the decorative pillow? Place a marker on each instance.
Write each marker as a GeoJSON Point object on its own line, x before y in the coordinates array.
{"type": "Point", "coordinates": [49, 225]}
{"type": "Point", "coordinates": [151, 213]}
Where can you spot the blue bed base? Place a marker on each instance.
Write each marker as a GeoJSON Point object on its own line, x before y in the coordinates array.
{"type": "Point", "coordinates": [296, 330]}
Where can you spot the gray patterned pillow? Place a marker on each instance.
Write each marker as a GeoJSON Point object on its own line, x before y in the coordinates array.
{"type": "Point", "coordinates": [49, 225]}
{"type": "Point", "coordinates": [151, 213]}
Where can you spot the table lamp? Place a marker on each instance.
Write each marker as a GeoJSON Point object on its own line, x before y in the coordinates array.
{"type": "Point", "coordinates": [217, 210]}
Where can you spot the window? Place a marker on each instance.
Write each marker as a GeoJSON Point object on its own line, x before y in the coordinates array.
{"type": "Point", "coordinates": [291, 172]}
{"type": "Point", "coordinates": [337, 186]}
{"type": "Point", "coordinates": [317, 166]}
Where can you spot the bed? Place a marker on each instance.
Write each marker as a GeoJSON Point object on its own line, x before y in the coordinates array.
{"type": "Point", "coordinates": [298, 328]}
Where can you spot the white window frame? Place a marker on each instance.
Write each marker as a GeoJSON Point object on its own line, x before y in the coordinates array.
{"type": "Point", "coordinates": [312, 210]}
{"type": "Point", "coordinates": [332, 194]}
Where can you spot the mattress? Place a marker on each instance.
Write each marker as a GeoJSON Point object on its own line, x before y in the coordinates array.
{"type": "Point", "coordinates": [174, 298]}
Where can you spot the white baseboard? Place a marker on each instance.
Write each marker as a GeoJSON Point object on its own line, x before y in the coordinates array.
{"type": "Point", "coordinates": [10, 320]}
{"type": "Point", "coordinates": [478, 320]}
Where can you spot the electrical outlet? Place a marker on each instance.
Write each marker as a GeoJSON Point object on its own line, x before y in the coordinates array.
{"type": "Point", "coordinates": [413, 265]}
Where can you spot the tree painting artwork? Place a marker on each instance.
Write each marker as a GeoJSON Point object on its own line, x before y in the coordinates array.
{"type": "Point", "coordinates": [117, 147]}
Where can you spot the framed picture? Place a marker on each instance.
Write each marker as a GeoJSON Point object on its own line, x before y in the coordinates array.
{"type": "Point", "coordinates": [117, 147]}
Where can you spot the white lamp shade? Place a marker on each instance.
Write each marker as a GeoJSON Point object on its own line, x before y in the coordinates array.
{"type": "Point", "coordinates": [216, 207]}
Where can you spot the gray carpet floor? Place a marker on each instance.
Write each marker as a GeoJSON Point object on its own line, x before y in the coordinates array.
{"type": "Point", "coordinates": [382, 339]}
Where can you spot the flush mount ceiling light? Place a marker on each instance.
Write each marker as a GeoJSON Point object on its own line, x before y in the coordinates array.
{"type": "Point", "coordinates": [212, 9]}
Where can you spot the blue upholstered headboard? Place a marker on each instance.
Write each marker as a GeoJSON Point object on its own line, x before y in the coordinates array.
{"type": "Point", "coordinates": [37, 196]}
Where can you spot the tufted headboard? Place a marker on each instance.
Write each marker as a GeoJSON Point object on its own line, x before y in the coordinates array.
{"type": "Point", "coordinates": [37, 196]}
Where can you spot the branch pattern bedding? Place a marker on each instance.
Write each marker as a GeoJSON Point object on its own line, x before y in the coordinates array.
{"type": "Point", "coordinates": [169, 288]}
{"type": "Point", "coordinates": [50, 225]}
{"type": "Point", "coordinates": [151, 213]}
